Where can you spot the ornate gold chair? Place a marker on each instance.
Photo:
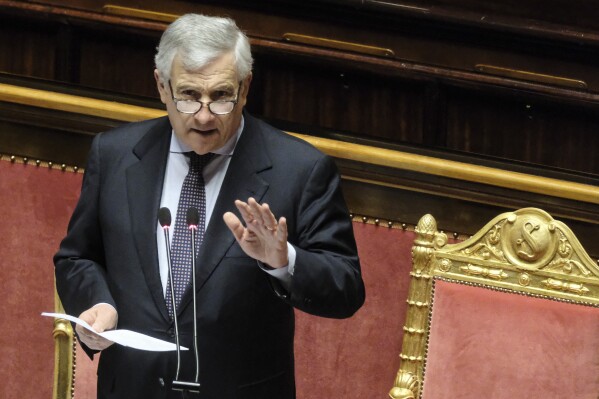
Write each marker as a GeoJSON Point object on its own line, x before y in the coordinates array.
{"type": "Point", "coordinates": [74, 373]}
{"type": "Point", "coordinates": [64, 355]}
{"type": "Point", "coordinates": [512, 312]}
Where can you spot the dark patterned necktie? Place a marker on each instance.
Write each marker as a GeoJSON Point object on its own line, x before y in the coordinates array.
{"type": "Point", "coordinates": [193, 194]}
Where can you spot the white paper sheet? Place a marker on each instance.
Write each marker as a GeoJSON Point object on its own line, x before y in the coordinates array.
{"type": "Point", "coordinates": [128, 338]}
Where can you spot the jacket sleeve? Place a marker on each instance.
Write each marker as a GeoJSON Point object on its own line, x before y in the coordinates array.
{"type": "Point", "coordinates": [326, 280]}
{"type": "Point", "coordinates": [79, 262]}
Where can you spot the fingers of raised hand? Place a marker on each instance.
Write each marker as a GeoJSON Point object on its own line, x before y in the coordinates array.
{"type": "Point", "coordinates": [234, 224]}
{"type": "Point", "coordinates": [245, 211]}
{"type": "Point", "coordinates": [282, 229]}
{"type": "Point", "coordinates": [263, 215]}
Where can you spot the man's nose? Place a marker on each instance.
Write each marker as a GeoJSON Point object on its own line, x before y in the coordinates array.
{"type": "Point", "coordinates": [204, 115]}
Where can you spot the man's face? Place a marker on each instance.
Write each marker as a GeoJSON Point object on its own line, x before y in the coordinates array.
{"type": "Point", "coordinates": [203, 131]}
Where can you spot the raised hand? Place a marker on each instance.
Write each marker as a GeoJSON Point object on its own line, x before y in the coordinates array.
{"type": "Point", "coordinates": [263, 237]}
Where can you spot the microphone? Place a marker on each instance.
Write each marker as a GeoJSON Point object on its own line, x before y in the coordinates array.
{"type": "Point", "coordinates": [164, 218]}
{"type": "Point", "coordinates": [193, 219]}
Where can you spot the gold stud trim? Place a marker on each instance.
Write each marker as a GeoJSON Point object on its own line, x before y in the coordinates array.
{"type": "Point", "coordinates": [39, 163]}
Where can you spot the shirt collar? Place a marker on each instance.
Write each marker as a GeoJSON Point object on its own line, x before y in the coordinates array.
{"type": "Point", "coordinates": [178, 147]}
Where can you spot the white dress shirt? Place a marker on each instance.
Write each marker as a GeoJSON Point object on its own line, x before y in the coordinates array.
{"type": "Point", "coordinates": [177, 166]}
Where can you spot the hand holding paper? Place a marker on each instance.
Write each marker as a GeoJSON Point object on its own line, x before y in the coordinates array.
{"type": "Point", "coordinates": [123, 337]}
{"type": "Point", "coordinates": [101, 317]}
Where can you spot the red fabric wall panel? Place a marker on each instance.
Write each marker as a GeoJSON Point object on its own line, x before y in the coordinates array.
{"type": "Point", "coordinates": [35, 203]}
{"type": "Point", "coordinates": [353, 358]}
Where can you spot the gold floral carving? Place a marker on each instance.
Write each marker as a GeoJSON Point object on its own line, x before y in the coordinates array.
{"type": "Point", "coordinates": [565, 286]}
{"type": "Point", "coordinates": [529, 239]}
{"type": "Point", "coordinates": [524, 279]}
{"type": "Point", "coordinates": [495, 274]}
{"type": "Point", "coordinates": [405, 386]}
{"type": "Point", "coordinates": [488, 248]}
{"type": "Point", "coordinates": [444, 265]}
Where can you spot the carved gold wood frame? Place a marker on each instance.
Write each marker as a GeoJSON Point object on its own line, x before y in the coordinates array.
{"type": "Point", "coordinates": [64, 355]}
{"type": "Point", "coordinates": [525, 251]}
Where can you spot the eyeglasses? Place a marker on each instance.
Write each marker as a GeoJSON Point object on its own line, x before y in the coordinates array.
{"type": "Point", "coordinates": [219, 107]}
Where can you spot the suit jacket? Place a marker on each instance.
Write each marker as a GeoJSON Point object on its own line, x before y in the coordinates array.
{"type": "Point", "coordinates": [245, 318]}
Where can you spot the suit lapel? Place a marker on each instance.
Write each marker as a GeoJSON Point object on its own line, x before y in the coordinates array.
{"type": "Point", "coordinates": [144, 189]}
{"type": "Point", "coordinates": [242, 181]}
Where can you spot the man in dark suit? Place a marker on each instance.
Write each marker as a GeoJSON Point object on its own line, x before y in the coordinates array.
{"type": "Point", "coordinates": [252, 269]}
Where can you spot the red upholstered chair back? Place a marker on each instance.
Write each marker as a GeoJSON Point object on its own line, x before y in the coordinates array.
{"type": "Point", "coordinates": [512, 312]}
{"type": "Point", "coordinates": [355, 358]}
{"type": "Point", "coordinates": [36, 203]}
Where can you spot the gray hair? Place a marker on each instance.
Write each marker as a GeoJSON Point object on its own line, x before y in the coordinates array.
{"type": "Point", "coordinates": [198, 40]}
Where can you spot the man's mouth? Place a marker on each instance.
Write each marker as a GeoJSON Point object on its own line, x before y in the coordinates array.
{"type": "Point", "coordinates": [204, 132]}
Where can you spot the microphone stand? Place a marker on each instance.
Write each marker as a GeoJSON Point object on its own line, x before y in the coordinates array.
{"type": "Point", "coordinates": [170, 274]}
{"type": "Point", "coordinates": [185, 386]}
{"type": "Point", "coordinates": [164, 217]}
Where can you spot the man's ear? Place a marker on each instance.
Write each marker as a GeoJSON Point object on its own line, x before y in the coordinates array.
{"type": "Point", "coordinates": [246, 84]}
{"type": "Point", "coordinates": [245, 89]}
{"type": "Point", "coordinates": [160, 84]}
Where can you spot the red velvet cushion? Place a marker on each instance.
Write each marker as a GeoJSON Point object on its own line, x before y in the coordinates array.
{"type": "Point", "coordinates": [490, 344]}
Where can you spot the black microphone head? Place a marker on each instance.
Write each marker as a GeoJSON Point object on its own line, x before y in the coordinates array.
{"type": "Point", "coordinates": [164, 217]}
{"type": "Point", "coordinates": [193, 216]}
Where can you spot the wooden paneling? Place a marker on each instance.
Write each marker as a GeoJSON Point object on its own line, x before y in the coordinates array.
{"type": "Point", "coordinates": [118, 62]}
{"type": "Point", "coordinates": [479, 82]}
{"type": "Point", "coordinates": [28, 48]}
{"type": "Point", "coordinates": [440, 89]}
{"type": "Point", "coordinates": [523, 128]}
{"type": "Point", "coordinates": [338, 99]}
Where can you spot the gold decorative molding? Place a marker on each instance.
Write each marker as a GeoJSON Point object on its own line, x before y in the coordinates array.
{"type": "Point", "coordinates": [456, 170]}
{"type": "Point", "coordinates": [527, 240]}
{"type": "Point", "coordinates": [524, 279]}
{"type": "Point", "coordinates": [405, 386]}
{"type": "Point", "coordinates": [139, 13]}
{"type": "Point", "coordinates": [525, 250]}
{"type": "Point", "coordinates": [532, 76]}
{"type": "Point", "coordinates": [418, 305]}
{"type": "Point", "coordinates": [413, 330]}
{"type": "Point", "coordinates": [495, 274]}
{"type": "Point", "coordinates": [392, 224]}
{"type": "Point", "coordinates": [76, 104]}
{"type": "Point", "coordinates": [64, 355]}
{"type": "Point", "coordinates": [39, 163]}
{"type": "Point", "coordinates": [398, 225]}
{"type": "Point", "coordinates": [339, 149]}
{"type": "Point", "coordinates": [409, 376]}
{"type": "Point", "coordinates": [338, 45]}
{"type": "Point", "coordinates": [558, 285]}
